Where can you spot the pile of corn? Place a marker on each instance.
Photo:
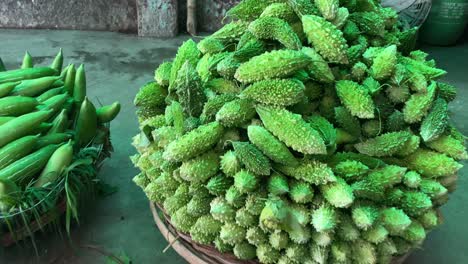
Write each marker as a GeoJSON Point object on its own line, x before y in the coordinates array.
{"type": "Point", "coordinates": [301, 132]}
{"type": "Point", "coordinates": [41, 109]}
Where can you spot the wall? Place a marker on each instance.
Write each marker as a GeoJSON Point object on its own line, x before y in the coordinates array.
{"type": "Point", "coordinates": [110, 15]}
{"type": "Point", "coordinates": [113, 15]}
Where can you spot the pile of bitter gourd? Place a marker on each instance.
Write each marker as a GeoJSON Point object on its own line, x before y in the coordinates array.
{"type": "Point", "coordinates": [45, 120]}
{"type": "Point", "coordinates": [301, 132]}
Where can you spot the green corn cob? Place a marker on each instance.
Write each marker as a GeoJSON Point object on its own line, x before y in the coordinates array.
{"type": "Point", "coordinates": [326, 38]}
{"type": "Point", "coordinates": [292, 130]}
{"type": "Point", "coordinates": [274, 64]}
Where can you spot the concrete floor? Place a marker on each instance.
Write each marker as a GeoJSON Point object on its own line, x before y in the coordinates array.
{"type": "Point", "coordinates": [121, 224]}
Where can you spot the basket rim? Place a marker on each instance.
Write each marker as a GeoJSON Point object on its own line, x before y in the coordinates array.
{"type": "Point", "coordinates": [196, 253]}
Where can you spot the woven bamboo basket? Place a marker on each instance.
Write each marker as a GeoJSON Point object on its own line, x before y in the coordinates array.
{"type": "Point", "coordinates": [11, 238]}
{"type": "Point", "coordinates": [195, 253]}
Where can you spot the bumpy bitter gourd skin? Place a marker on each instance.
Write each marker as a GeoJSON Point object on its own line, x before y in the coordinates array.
{"type": "Point", "coordinates": [280, 92]}
{"type": "Point", "coordinates": [235, 113]}
{"type": "Point", "coordinates": [435, 123]}
{"type": "Point", "coordinates": [384, 63]}
{"type": "Point", "coordinates": [163, 73]}
{"type": "Point", "coordinates": [270, 145]}
{"type": "Point", "coordinates": [328, 8]}
{"type": "Point", "coordinates": [248, 10]}
{"type": "Point", "coordinates": [187, 52]}
{"type": "Point", "coordinates": [194, 143]}
{"type": "Point", "coordinates": [273, 28]}
{"type": "Point", "coordinates": [189, 90]}
{"type": "Point", "coordinates": [252, 158]}
{"type": "Point", "coordinates": [282, 11]}
{"type": "Point", "coordinates": [384, 145]}
{"type": "Point", "coordinates": [291, 129]}
{"type": "Point", "coordinates": [418, 104]}
{"type": "Point", "coordinates": [303, 131]}
{"type": "Point", "coordinates": [200, 168]}
{"type": "Point", "coordinates": [274, 64]}
{"type": "Point", "coordinates": [356, 99]}
{"type": "Point", "coordinates": [319, 68]}
{"type": "Point", "coordinates": [326, 38]}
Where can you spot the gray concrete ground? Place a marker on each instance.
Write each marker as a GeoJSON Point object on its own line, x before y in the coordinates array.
{"type": "Point", "coordinates": [117, 65]}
